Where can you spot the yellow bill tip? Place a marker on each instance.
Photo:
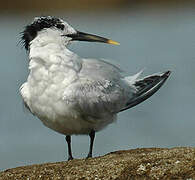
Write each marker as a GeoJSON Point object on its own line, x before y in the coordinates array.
{"type": "Point", "coordinates": [113, 42]}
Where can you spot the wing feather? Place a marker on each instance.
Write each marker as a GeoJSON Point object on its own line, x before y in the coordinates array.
{"type": "Point", "coordinates": [100, 88]}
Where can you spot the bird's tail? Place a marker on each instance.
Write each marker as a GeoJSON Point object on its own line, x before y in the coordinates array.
{"type": "Point", "coordinates": [146, 87]}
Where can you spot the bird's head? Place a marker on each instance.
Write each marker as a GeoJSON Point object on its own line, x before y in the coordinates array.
{"type": "Point", "coordinates": [49, 28]}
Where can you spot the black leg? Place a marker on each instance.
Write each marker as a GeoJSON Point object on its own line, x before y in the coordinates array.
{"type": "Point", "coordinates": [92, 136]}
{"type": "Point", "coordinates": [68, 140]}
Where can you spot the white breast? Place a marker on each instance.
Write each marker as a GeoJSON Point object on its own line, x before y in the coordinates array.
{"type": "Point", "coordinates": [50, 74]}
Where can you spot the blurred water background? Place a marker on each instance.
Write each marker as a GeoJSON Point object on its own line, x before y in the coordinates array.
{"type": "Point", "coordinates": [156, 38]}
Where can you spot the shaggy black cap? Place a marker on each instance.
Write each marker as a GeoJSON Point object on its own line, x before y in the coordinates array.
{"type": "Point", "coordinates": [30, 31]}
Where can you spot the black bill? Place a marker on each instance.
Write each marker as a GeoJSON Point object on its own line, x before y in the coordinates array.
{"type": "Point", "coordinates": [80, 36]}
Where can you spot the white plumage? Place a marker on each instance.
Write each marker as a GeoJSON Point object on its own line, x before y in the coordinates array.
{"type": "Point", "coordinates": [70, 94]}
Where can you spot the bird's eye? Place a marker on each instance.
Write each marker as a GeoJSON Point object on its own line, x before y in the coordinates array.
{"type": "Point", "coordinates": [60, 26]}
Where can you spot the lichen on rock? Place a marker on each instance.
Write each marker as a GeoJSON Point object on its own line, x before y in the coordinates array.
{"type": "Point", "coordinates": [144, 163]}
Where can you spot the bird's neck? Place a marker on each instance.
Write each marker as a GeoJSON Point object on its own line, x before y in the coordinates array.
{"type": "Point", "coordinates": [45, 44]}
{"type": "Point", "coordinates": [52, 63]}
{"type": "Point", "coordinates": [53, 58]}
{"type": "Point", "coordinates": [51, 52]}
{"type": "Point", "coordinates": [45, 49]}
{"type": "Point", "coordinates": [49, 43]}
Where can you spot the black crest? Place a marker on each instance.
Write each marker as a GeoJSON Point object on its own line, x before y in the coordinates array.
{"type": "Point", "coordinates": [30, 31]}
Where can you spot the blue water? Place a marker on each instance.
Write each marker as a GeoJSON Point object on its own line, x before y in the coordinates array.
{"type": "Point", "coordinates": [156, 40]}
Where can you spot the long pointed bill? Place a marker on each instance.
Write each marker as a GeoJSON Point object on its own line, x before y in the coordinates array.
{"type": "Point", "coordinates": [80, 36]}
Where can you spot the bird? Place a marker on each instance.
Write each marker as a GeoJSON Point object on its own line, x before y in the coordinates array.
{"type": "Point", "coordinates": [73, 95]}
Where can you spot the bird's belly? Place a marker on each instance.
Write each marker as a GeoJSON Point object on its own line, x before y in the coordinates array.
{"type": "Point", "coordinates": [68, 125]}
{"type": "Point", "coordinates": [59, 115]}
{"type": "Point", "coordinates": [71, 121]}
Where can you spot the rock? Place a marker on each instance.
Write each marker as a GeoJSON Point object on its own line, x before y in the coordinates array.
{"type": "Point", "coordinates": [145, 163]}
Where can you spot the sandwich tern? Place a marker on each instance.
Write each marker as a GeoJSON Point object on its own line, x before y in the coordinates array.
{"type": "Point", "coordinates": [74, 95]}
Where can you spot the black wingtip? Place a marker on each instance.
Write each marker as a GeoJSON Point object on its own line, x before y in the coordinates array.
{"type": "Point", "coordinates": [148, 91]}
{"type": "Point", "coordinates": [166, 74]}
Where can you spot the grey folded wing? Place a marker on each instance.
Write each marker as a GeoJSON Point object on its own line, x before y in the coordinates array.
{"type": "Point", "coordinates": [100, 89]}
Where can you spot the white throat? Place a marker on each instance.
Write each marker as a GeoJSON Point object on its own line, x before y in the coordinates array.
{"type": "Point", "coordinates": [50, 47]}
{"type": "Point", "coordinates": [49, 37]}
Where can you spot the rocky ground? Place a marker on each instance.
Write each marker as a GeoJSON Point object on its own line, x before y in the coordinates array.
{"type": "Point", "coordinates": [145, 163]}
